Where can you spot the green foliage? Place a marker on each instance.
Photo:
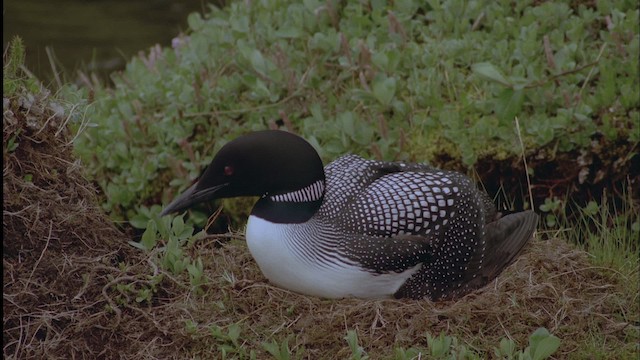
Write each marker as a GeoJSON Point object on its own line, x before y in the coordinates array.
{"type": "Point", "coordinates": [229, 343]}
{"type": "Point", "coordinates": [447, 347]}
{"type": "Point", "coordinates": [15, 59]}
{"type": "Point", "coordinates": [140, 292]}
{"type": "Point", "coordinates": [13, 78]}
{"type": "Point", "coordinates": [609, 233]}
{"type": "Point", "coordinates": [399, 80]}
{"type": "Point", "coordinates": [412, 353]}
{"type": "Point", "coordinates": [541, 345]}
{"type": "Point", "coordinates": [12, 144]}
{"type": "Point", "coordinates": [552, 208]}
{"type": "Point", "coordinates": [178, 236]}
{"type": "Point", "coordinates": [357, 352]}
{"type": "Point", "coordinates": [282, 351]}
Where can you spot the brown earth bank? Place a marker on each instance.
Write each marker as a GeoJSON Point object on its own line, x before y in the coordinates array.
{"type": "Point", "coordinates": [609, 169]}
{"type": "Point", "coordinates": [72, 285]}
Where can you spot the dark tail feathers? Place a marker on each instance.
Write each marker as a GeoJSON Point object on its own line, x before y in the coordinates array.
{"type": "Point", "coordinates": [505, 238]}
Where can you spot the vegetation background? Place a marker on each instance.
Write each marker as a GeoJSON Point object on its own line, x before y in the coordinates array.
{"type": "Point", "coordinates": [466, 85]}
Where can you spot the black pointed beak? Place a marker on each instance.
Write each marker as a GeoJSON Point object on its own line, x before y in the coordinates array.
{"type": "Point", "coordinates": [190, 197]}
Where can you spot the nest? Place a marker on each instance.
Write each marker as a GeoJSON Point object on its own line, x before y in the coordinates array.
{"type": "Point", "coordinates": [70, 279]}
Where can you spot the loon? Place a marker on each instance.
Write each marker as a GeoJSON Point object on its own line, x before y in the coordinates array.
{"type": "Point", "coordinates": [360, 228]}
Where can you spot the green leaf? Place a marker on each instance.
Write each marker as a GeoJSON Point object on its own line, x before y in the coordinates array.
{"type": "Point", "coordinates": [12, 145]}
{"type": "Point", "coordinates": [164, 225]}
{"type": "Point", "coordinates": [507, 347]}
{"type": "Point", "coordinates": [384, 89]}
{"type": "Point", "coordinates": [546, 347]}
{"type": "Point", "coordinates": [439, 346]}
{"type": "Point", "coordinates": [509, 104]}
{"type": "Point", "coordinates": [234, 333]}
{"type": "Point", "coordinates": [591, 209]}
{"type": "Point", "coordinates": [263, 65]}
{"type": "Point", "coordinates": [195, 21]}
{"type": "Point", "coordinates": [139, 221]}
{"type": "Point", "coordinates": [279, 352]}
{"type": "Point", "coordinates": [289, 32]}
{"type": "Point", "coordinates": [177, 227]}
{"type": "Point", "coordinates": [261, 89]}
{"type": "Point", "coordinates": [489, 72]}
{"type": "Point", "coordinates": [542, 344]}
{"type": "Point", "coordinates": [357, 352]}
{"type": "Point", "coordinates": [137, 245]}
{"type": "Point", "coordinates": [149, 237]}
{"type": "Point", "coordinates": [381, 60]}
{"type": "Point", "coordinates": [272, 348]}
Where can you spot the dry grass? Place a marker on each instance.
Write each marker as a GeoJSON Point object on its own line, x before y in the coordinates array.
{"type": "Point", "coordinates": [552, 285]}
{"type": "Point", "coordinates": [70, 281]}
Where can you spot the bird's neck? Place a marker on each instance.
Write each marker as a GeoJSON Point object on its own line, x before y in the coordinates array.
{"type": "Point", "coordinates": [291, 207]}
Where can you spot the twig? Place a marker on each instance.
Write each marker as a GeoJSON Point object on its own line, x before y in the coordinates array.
{"type": "Point", "coordinates": [84, 123]}
{"type": "Point", "coordinates": [548, 53]}
{"type": "Point", "coordinates": [50, 55]}
{"type": "Point", "coordinates": [212, 219]}
{"type": "Point", "coordinates": [622, 276]}
{"type": "Point", "coordinates": [26, 286]}
{"type": "Point", "coordinates": [247, 110]}
{"type": "Point", "coordinates": [478, 21]}
{"type": "Point", "coordinates": [66, 120]}
{"type": "Point", "coordinates": [524, 160]}
{"type": "Point", "coordinates": [113, 306]}
{"type": "Point", "coordinates": [586, 81]}
{"type": "Point", "coordinates": [564, 73]}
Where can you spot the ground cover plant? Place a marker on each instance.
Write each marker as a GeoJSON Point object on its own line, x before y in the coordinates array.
{"type": "Point", "coordinates": [393, 82]}
{"type": "Point", "coordinates": [439, 82]}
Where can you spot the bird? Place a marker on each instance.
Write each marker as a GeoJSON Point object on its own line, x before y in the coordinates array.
{"type": "Point", "coordinates": [360, 228]}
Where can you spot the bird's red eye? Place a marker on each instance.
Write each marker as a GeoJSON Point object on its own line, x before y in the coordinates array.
{"type": "Point", "coordinates": [228, 170]}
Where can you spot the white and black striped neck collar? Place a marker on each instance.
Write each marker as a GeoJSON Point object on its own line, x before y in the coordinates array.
{"type": "Point", "coordinates": [313, 192]}
{"type": "Point", "coordinates": [292, 207]}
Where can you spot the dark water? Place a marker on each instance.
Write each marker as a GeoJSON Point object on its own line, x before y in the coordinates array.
{"type": "Point", "coordinates": [92, 35]}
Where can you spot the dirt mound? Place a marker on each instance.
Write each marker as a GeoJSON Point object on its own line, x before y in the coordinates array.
{"type": "Point", "coordinates": [74, 288]}
{"type": "Point", "coordinates": [60, 250]}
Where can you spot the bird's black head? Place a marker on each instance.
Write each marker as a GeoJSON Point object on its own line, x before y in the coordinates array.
{"type": "Point", "coordinates": [261, 163]}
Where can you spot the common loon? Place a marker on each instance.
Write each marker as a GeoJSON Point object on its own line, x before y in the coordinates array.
{"type": "Point", "coordinates": [360, 228]}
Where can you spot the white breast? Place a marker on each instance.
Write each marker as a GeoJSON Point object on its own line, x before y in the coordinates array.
{"type": "Point", "coordinates": [283, 262]}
